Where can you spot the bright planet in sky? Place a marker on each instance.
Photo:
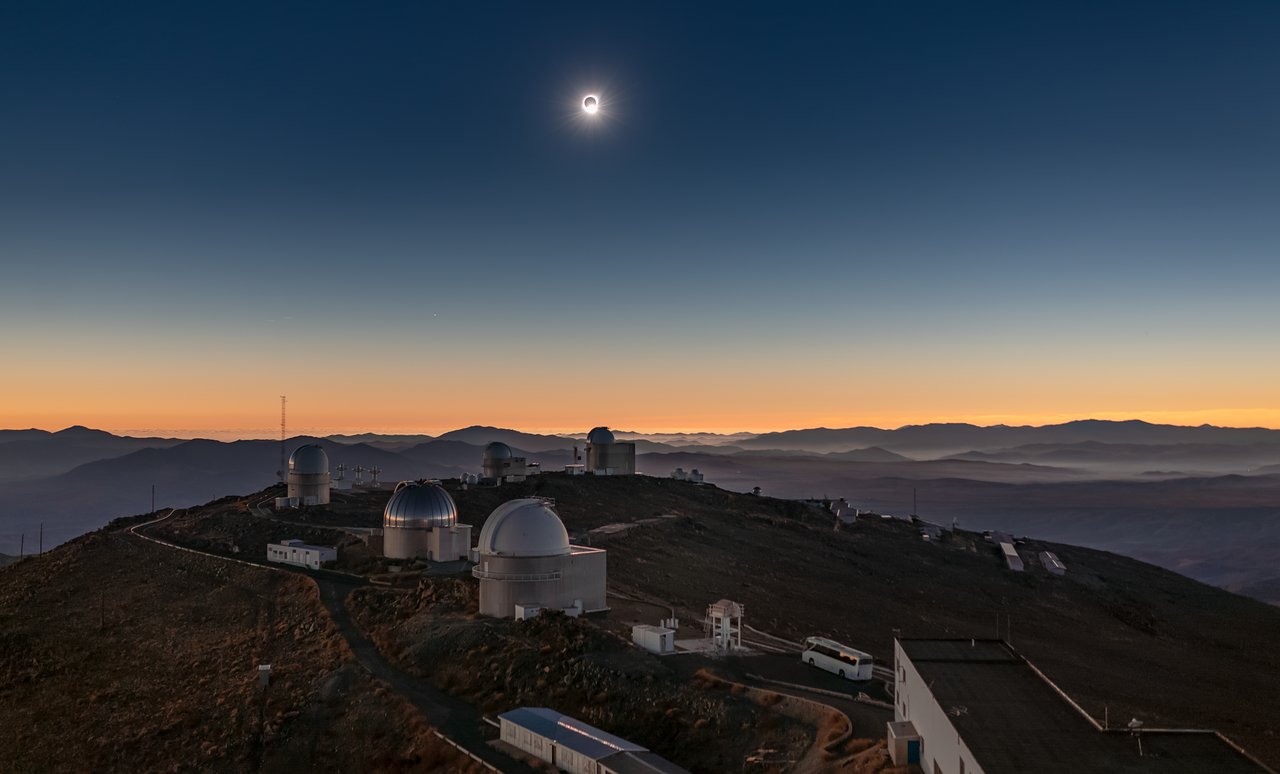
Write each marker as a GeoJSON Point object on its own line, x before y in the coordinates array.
{"type": "Point", "coordinates": [591, 103]}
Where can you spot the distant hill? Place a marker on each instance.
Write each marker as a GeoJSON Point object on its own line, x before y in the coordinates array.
{"type": "Point", "coordinates": [480, 435]}
{"type": "Point", "coordinates": [34, 453]}
{"type": "Point", "coordinates": [870, 454]}
{"type": "Point", "coordinates": [7, 436]}
{"type": "Point", "coordinates": [948, 439]}
{"type": "Point", "coordinates": [684, 439]}
{"type": "Point", "coordinates": [190, 472]}
{"type": "Point", "coordinates": [1130, 458]}
{"type": "Point", "coordinates": [388, 442]}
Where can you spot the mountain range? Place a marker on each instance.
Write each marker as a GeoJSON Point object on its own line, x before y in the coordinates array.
{"type": "Point", "coordinates": [1201, 500]}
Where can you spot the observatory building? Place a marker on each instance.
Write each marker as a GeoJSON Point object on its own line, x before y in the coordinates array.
{"type": "Point", "coordinates": [527, 565]}
{"type": "Point", "coordinates": [308, 481]}
{"type": "Point", "coordinates": [606, 456]}
{"type": "Point", "coordinates": [421, 521]}
{"type": "Point", "coordinates": [501, 465]}
{"type": "Point", "coordinates": [979, 707]}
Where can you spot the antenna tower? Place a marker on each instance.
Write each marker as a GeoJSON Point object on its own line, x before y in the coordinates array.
{"type": "Point", "coordinates": [283, 463]}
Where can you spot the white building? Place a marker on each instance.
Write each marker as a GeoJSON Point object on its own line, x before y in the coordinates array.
{"type": "Point", "coordinates": [606, 456]}
{"type": "Point", "coordinates": [308, 479]}
{"type": "Point", "coordinates": [655, 639]}
{"type": "Point", "coordinates": [1011, 558]}
{"type": "Point", "coordinates": [501, 465]}
{"type": "Point", "coordinates": [524, 558]}
{"type": "Point", "coordinates": [420, 521]}
{"type": "Point", "coordinates": [301, 554]}
{"type": "Point", "coordinates": [969, 706]}
{"type": "Point", "coordinates": [573, 746]}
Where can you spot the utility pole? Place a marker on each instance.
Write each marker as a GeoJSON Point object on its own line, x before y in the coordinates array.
{"type": "Point", "coordinates": [41, 537]}
{"type": "Point", "coordinates": [282, 429]}
{"type": "Point", "coordinates": [22, 545]}
{"type": "Point", "coordinates": [153, 499]}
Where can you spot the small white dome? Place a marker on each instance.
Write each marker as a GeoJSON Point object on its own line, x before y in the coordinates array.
{"type": "Point", "coordinates": [309, 460]}
{"type": "Point", "coordinates": [600, 435]}
{"type": "Point", "coordinates": [420, 505]}
{"type": "Point", "coordinates": [498, 451]}
{"type": "Point", "coordinates": [526, 527]}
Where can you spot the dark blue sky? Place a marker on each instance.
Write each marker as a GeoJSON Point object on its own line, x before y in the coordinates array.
{"type": "Point", "coordinates": [1031, 191]}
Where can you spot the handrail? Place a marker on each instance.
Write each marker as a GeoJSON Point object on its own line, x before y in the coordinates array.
{"type": "Point", "coordinates": [482, 574]}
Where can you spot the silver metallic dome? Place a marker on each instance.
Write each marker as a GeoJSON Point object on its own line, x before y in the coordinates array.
{"type": "Point", "coordinates": [498, 451]}
{"type": "Point", "coordinates": [309, 460]}
{"type": "Point", "coordinates": [526, 527]}
{"type": "Point", "coordinates": [600, 435]}
{"type": "Point", "coordinates": [420, 505]}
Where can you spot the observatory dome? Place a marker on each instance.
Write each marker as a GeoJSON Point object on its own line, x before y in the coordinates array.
{"type": "Point", "coordinates": [309, 460]}
{"type": "Point", "coordinates": [497, 451]}
{"type": "Point", "coordinates": [420, 505]}
{"type": "Point", "coordinates": [526, 527]}
{"type": "Point", "coordinates": [600, 435]}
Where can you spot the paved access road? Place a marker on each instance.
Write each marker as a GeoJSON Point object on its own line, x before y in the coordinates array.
{"type": "Point", "coordinates": [454, 718]}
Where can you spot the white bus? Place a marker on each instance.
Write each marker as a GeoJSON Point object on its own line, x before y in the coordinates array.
{"type": "Point", "coordinates": [840, 659]}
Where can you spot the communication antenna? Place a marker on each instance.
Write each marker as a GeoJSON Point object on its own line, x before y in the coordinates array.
{"type": "Point", "coordinates": [359, 475]}
{"type": "Point", "coordinates": [342, 469]}
{"type": "Point", "coordinates": [374, 471]}
{"type": "Point", "coordinates": [283, 464]}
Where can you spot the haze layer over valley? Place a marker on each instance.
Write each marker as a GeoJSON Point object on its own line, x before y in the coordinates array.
{"type": "Point", "coordinates": [1204, 501]}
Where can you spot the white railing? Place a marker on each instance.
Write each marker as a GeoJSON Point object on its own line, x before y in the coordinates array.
{"type": "Point", "coordinates": [482, 574]}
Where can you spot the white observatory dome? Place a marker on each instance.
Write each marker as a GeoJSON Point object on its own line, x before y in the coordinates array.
{"type": "Point", "coordinates": [420, 505]}
{"type": "Point", "coordinates": [526, 527]}
{"type": "Point", "coordinates": [497, 451]}
{"type": "Point", "coordinates": [309, 461]}
{"type": "Point", "coordinates": [600, 435]}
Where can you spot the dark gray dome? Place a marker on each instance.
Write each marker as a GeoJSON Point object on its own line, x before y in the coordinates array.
{"type": "Point", "coordinates": [309, 460]}
{"type": "Point", "coordinates": [420, 505]}
{"type": "Point", "coordinates": [600, 435]}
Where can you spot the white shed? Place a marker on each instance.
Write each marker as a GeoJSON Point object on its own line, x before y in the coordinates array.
{"type": "Point", "coordinates": [655, 639]}
{"type": "Point", "coordinates": [1011, 557]}
{"type": "Point", "coordinates": [297, 553]}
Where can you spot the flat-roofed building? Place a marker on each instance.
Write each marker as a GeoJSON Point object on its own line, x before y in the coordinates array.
{"type": "Point", "coordinates": [573, 746]}
{"type": "Point", "coordinates": [1011, 558]}
{"type": "Point", "coordinates": [970, 706]}
{"type": "Point", "coordinates": [1052, 563]}
{"type": "Point", "coordinates": [655, 639]}
{"type": "Point", "coordinates": [301, 554]}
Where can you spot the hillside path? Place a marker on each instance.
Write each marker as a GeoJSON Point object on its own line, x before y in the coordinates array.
{"type": "Point", "coordinates": [453, 718]}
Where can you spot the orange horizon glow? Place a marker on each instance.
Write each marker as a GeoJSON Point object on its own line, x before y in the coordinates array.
{"type": "Point", "coordinates": [237, 426]}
